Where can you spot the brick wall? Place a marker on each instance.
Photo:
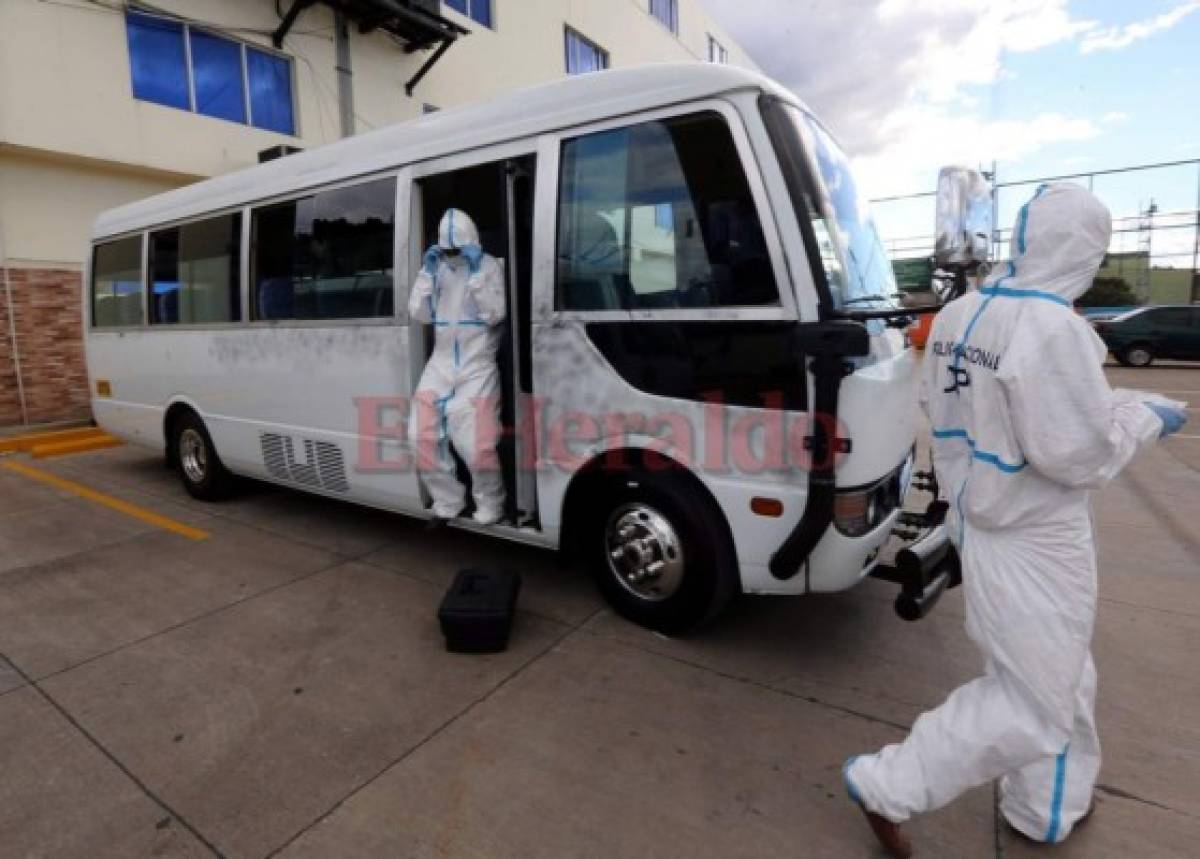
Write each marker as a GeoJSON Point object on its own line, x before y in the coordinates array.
{"type": "Point", "coordinates": [46, 307]}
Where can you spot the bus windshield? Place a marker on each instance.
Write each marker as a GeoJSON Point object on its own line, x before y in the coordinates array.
{"type": "Point", "coordinates": [856, 264]}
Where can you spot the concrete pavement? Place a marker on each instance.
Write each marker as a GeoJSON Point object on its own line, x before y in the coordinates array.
{"type": "Point", "coordinates": [281, 689]}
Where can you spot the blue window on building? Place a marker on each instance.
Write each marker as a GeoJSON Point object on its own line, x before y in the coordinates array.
{"type": "Point", "coordinates": [479, 11]}
{"type": "Point", "coordinates": [666, 11]}
{"type": "Point", "coordinates": [217, 76]}
{"type": "Point", "coordinates": [584, 55]}
{"type": "Point", "coordinates": [157, 60]}
{"type": "Point", "coordinates": [270, 91]}
{"type": "Point", "coordinates": [212, 75]}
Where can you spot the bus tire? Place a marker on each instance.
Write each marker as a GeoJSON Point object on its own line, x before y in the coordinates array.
{"type": "Point", "coordinates": [659, 550]}
{"type": "Point", "coordinates": [196, 460]}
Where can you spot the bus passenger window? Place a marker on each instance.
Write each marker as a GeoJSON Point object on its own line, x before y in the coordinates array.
{"type": "Point", "coordinates": [660, 216]}
{"type": "Point", "coordinates": [326, 256]}
{"type": "Point", "coordinates": [117, 283]}
{"type": "Point", "coordinates": [196, 272]}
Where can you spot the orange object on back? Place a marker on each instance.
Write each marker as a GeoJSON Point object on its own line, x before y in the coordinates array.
{"type": "Point", "coordinates": [919, 331]}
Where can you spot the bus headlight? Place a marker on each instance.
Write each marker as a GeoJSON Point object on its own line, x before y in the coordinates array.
{"type": "Point", "coordinates": [861, 510]}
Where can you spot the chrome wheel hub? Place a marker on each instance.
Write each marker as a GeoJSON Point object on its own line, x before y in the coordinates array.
{"type": "Point", "coordinates": [644, 552]}
{"type": "Point", "coordinates": [192, 455]}
{"type": "Point", "coordinates": [1139, 357]}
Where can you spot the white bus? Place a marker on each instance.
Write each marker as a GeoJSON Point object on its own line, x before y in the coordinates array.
{"type": "Point", "coordinates": [695, 412]}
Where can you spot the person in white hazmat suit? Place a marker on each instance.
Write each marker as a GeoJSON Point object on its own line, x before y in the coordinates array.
{"type": "Point", "coordinates": [1024, 425]}
{"type": "Point", "coordinates": [459, 291]}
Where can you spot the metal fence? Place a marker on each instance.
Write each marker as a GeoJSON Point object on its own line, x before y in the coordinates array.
{"type": "Point", "coordinates": [1156, 225]}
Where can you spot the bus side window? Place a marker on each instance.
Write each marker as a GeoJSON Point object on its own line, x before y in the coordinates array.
{"type": "Point", "coordinates": [196, 272]}
{"type": "Point", "coordinates": [117, 283]}
{"type": "Point", "coordinates": [325, 256]}
{"type": "Point", "coordinates": [660, 216]}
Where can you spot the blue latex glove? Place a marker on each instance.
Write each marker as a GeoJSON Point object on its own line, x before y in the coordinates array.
{"type": "Point", "coordinates": [473, 254]}
{"type": "Point", "coordinates": [432, 257]}
{"type": "Point", "coordinates": [1173, 419]}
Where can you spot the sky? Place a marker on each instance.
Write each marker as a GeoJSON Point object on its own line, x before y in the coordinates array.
{"type": "Point", "coordinates": [1043, 87]}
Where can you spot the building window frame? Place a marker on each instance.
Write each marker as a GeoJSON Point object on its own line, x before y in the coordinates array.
{"type": "Point", "coordinates": [133, 13]}
{"type": "Point", "coordinates": [666, 12]}
{"type": "Point", "coordinates": [482, 12]}
{"type": "Point", "coordinates": [717, 52]}
{"type": "Point", "coordinates": [571, 35]}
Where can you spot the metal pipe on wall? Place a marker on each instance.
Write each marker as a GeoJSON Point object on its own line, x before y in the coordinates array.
{"type": "Point", "coordinates": [345, 73]}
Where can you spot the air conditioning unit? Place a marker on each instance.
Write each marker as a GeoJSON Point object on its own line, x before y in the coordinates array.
{"type": "Point", "coordinates": [277, 152]}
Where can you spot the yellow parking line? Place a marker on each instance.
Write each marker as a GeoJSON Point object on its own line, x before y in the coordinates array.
{"type": "Point", "coordinates": [147, 516]}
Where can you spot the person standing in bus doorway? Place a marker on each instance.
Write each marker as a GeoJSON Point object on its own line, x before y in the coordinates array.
{"type": "Point", "coordinates": [1024, 426]}
{"type": "Point", "coordinates": [460, 292]}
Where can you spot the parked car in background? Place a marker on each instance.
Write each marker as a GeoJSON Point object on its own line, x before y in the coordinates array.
{"type": "Point", "coordinates": [1138, 337]}
{"type": "Point", "coordinates": [1104, 314]}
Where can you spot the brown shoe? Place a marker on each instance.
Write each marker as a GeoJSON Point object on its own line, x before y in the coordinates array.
{"type": "Point", "coordinates": [890, 837]}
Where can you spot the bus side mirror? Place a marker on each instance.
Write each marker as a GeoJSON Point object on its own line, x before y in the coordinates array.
{"type": "Point", "coordinates": [964, 219]}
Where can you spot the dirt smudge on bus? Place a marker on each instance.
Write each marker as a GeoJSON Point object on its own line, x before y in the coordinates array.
{"type": "Point", "coordinates": [308, 348]}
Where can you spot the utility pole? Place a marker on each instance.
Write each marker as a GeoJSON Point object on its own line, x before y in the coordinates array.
{"type": "Point", "coordinates": [345, 73]}
{"type": "Point", "coordinates": [1146, 248]}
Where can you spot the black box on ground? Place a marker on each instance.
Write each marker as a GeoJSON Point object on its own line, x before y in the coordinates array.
{"type": "Point", "coordinates": [477, 612]}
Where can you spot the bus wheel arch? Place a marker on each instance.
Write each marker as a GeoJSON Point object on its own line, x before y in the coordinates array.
{"type": "Point", "coordinates": [193, 456]}
{"type": "Point", "coordinates": [173, 413]}
{"type": "Point", "coordinates": [651, 515]}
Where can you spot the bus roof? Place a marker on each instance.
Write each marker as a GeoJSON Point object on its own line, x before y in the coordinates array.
{"type": "Point", "coordinates": [573, 101]}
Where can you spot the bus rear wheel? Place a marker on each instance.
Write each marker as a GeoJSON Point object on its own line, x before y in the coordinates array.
{"type": "Point", "coordinates": [659, 551]}
{"type": "Point", "coordinates": [196, 460]}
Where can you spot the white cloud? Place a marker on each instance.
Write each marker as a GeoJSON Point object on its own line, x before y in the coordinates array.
{"type": "Point", "coordinates": [898, 81]}
{"type": "Point", "coordinates": [857, 61]}
{"type": "Point", "coordinates": [926, 137]}
{"type": "Point", "coordinates": [904, 83]}
{"type": "Point", "coordinates": [1115, 38]}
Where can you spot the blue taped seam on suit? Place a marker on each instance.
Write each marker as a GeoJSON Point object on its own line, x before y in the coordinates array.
{"type": "Point", "coordinates": [962, 344]}
{"type": "Point", "coordinates": [850, 788]}
{"type": "Point", "coordinates": [444, 426]}
{"type": "Point", "coordinates": [981, 455]}
{"type": "Point", "coordinates": [1060, 777]}
{"type": "Point", "coordinates": [1010, 292]}
{"type": "Point", "coordinates": [1025, 219]}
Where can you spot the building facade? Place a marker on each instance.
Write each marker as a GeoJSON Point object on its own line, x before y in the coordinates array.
{"type": "Point", "coordinates": [104, 102]}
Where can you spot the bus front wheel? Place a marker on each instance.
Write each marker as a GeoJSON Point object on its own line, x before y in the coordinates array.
{"type": "Point", "coordinates": [195, 458]}
{"type": "Point", "coordinates": [660, 551]}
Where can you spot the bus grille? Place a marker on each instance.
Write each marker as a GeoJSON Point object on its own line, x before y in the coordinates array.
{"type": "Point", "coordinates": [323, 466]}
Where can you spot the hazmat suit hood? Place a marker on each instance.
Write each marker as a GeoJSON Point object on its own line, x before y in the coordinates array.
{"type": "Point", "coordinates": [1058, 242]}
{"type": "Point", "coordinates": [457, 230]}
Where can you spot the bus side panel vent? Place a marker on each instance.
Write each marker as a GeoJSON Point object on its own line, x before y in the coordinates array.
{"type": "Point", "coordinates": [273, 457]}
{"type": "Point", "coordinates": [322, 465]}
{"type": "Point", "coordinates": [331, 466]}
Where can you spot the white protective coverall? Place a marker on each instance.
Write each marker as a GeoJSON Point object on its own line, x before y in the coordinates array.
{"type": "Point", "coordinates": [1024, 425]}
{"type": "Point", "coordinates": [458, 398]}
